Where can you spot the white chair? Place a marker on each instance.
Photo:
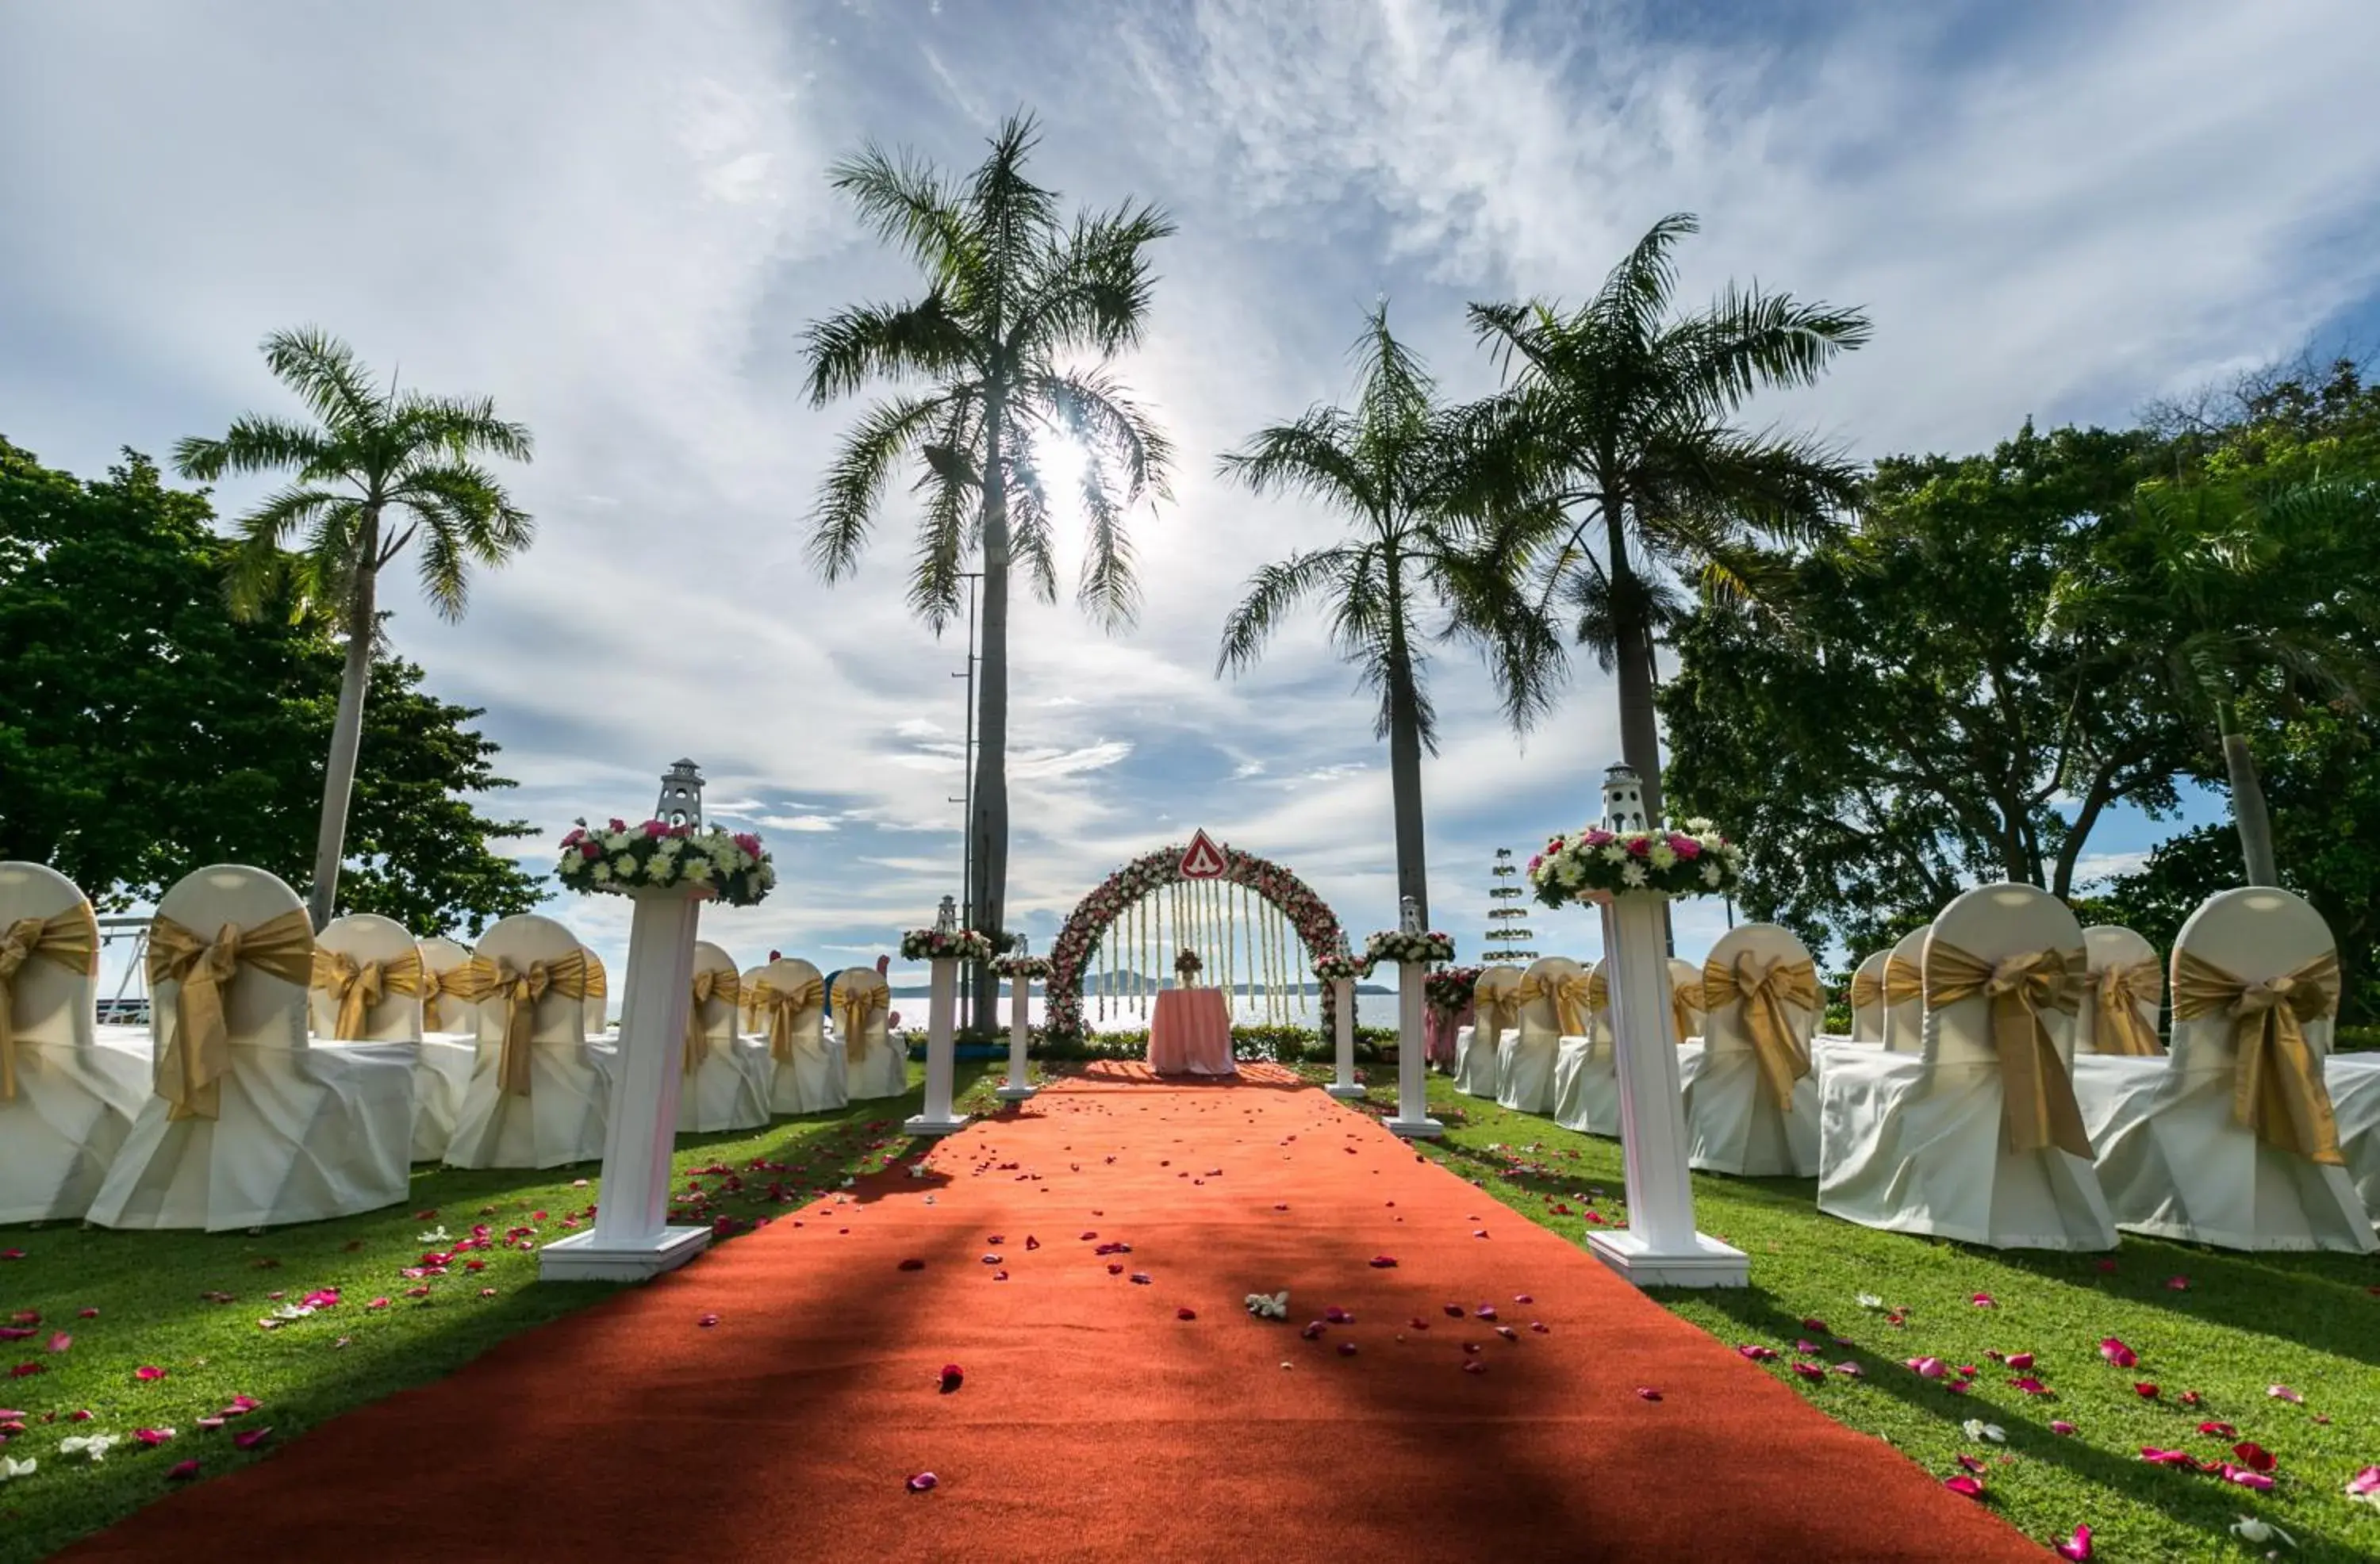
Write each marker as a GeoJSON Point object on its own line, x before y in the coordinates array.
{"type": "Point", "coordinates": [1553, 1006]}
{"type": "Point", "coordinates": [1495, 1011]}
{"type": "Point", "coordinates": [2127, 993]}
{"type": "Point", "coordinates": [1867, 1000]}
{"type": "Point", "coordinates": [1686, 1005]}
{"type": "Point", "coordinates": [2354, 1082]}
{"type": "Point", "coordinates": [599, 990]}
{"type": "Point", "coordinates": [725, 1084]}
{"type": "Point", "coordinates": [787, 1001]}
{"type": "Point", "coordinates": [447, 1009]}
{"type": "Point", "coordinates": [541, 1092]}
{"type": "Point", "coordinates": [368, 984]}
{"type": "Point", "coordinates": [874, 1065]}
{"type": "Point", "coordinates": [1977, 1137]}
{"type": "Point", "coordinates": [748, 1020]}
{"type": "Point", "coordinates": [248, 1126]}
{"type": "Point", "coordinates": [1751, 1100]}
{"type": "Point", "coordinates": [66, 1103]}
{"type": "Point", "coordinates": [1904, 994]}
{"type": "Point", "coordinates": [2232, 1139]}
{"type": "Point", "coordinates": [1587, 1071]}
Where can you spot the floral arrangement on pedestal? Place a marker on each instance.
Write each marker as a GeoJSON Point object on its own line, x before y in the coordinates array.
{"type": "Point", "coordinates": [1340, 967]}
{"type": "Point", "coordinates": [621, 859]}
{"type": "Point", "coordinates": [1449, 988]}
{"type": "Point", "coordinates": [1317, 926]}
{"type": "Point", "coordinates": [1187, 966]}
{"type": "Point", "coordinates": [945, 944]}
{"type": "Point", "coordinates": [1397, 946]}
{"type": "Point", "coordinates": [1024, 969]}
{"type": "Point", "coordinates": [1591, 863]}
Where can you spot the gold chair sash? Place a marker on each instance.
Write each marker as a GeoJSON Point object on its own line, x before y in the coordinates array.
{"type": "Point", "coordinates": [852, 1009]}
{"type": "Point", "coordinates": [782, 1008]}
{"type": "Point", "coordinates": [1763, 989]}
{"type": "Point", "coordinates": [2278, 1091]}
{"type": "Point", "coordinates": [1686, 1001]}
{"type": "Point", "coordinates": [2117, 995]}
{"type": "Point", "coordinates": [1599, 993]}
{"type": "Point", "coordinates": [1867, 991]}
{"type": "Point", "coordinates": [711, 984]}
{"type": "Point", "coordinates": [189, 1075]}
{"type": "Point", "coordinates": [355, 987]}
{"type": "Point", "coordinates": [1904, 981]}
{"type": "Point", "coordinates": [1572, 996]}
{"type": "Point", "coordinates": [1496, 1005]}
{"type": "Point", "coordinates": [69, 940]}
{"type": "Point", "coordinates": [520, 987]}
{"type": "Point", "coordinates": [435, 987]}
{"type": "Point", "coordinates": [2037, 1106]}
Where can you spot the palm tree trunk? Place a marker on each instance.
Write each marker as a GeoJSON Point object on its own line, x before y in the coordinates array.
{"type": "Point", "coordinates": [1640, 731]}
{"type": "Point", "coordinates": [348, 729]}
{"type": "Point", "coordinates": [1404, 760]}
{"type": "Point", "coordinates": [2248, 808]}
{"type": "Point", "coordinates": [990, 822]}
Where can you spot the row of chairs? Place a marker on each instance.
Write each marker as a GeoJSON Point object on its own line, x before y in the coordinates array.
{"type": "Point", "coordinates": [2021, 1096]}
{"type": "Point", "coordinates": [285, 1077]}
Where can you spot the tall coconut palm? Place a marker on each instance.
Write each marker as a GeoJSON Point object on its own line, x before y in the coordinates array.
{"type": "Point", "coordinates": [2232, 592]}
{"type": "Point", "coordinates": [1619, 416]}
{"type": "Point", "coordinates": [1010, 345]}
{"type": "Point", "coordinates": [1427, 539]}
{"type": "Point", "coordinates": [377, 468]}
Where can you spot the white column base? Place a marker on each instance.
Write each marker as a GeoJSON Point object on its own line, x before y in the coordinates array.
{"type": "Point", "coordinates": [592, 1256]}
{"type": "Point", "coordinates": [1015, 1094]}
{"type": "Point", "coordinates": [1348, 1093]}
{"type": "Point", "coordinates": [1709, 1264]}
{"type": "Point", "coordinates": [923, 1124]}
{"type": "Point", "coordinates": [1417, 1129]}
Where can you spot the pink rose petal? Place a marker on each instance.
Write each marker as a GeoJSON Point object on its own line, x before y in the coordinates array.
{"type": "Point", "coordinates": [183, 1472]}
{"type": "Point", "coordinates": [922, 1481]}
{"type": "Point", "coordinates": [2061, 1427]}
{"type": "Point", "coordinates": [1964, 1486]}
{"type": "Point", "coordinates": [60, 1341]}
{"type": "Point", "coordinates": [148, 1371]}
{"type": "Point", "coordinates": [2283, 1393]}
{"type": "Point", "coordinates": [1756, 1352]}
{"type": "Point", "coordinates": [2078, 1546]}
{"type": "Point", "coordinates": [2115, 1352]}
{"type": "Point", "coordinates": [1186, 1312]}
{"type": "Point", "coordinates": [152, 1436]}
{"type": "Point", "coordinates": [2019, 1361]}
{"type": "Point", "coordinates": [248, 1439]}
{"type": "Point", "coordinates": [1647, 1393]}
{"type": "Point", "coordinates": [2145, 1389]}
{"type": "Point", "coordinates": [952, 1378]}
{"type": "Point", "coordinates": [2258, 1481]}
{"type": "Point", "coordinates": [2030, 1386]}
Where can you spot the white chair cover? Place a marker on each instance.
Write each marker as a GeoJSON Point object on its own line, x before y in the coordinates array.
{"type": "Point", "coordinates": [599, 997]}
{"type": "Point", "coordinates": [1474, 1056]}
{"type": "Point", "coordinates": [297, 1134]}
{"type": "Point", "coordinates": [1867, 999]}
{"type": "Point", "coordinates": [1524, 1062]}
{"type": "Point", "coordinates": [874, 1065]}
{"type": "Point", "coordinates": [1904, 1000]}
{"type": "Point", "coordinates": [441, 1066]}
{"type": "Point", "coordinates": [1587, 1071]}
{"type": "Point", "coordinates": [2354, 1082]}
{"type": "Point", "coordinates": [1921, 1143]}
{"type": "Point", "coordinates": [70, 1103]}
{"type": "Point", "coordinates": [810, 1077]}
{"type": "Point", "coordinates": [450, 1049]}
{"type": "Point", "coordinates": [726, 1084]}
{"type": "Point", "coordinates": [560, 1118]}
{"type": "Point", "coordinates": [2174, 1158]}
{"type": "Point", "coordinates": [2118, 956]}
{"type": "Point", "coordinates": [1734, 1123]}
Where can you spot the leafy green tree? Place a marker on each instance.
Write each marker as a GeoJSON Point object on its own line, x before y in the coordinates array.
{"type": "Point", "coordinates": [147, 732]}
{"type": "Point", "coordinates": [1619, 417]}
{"type": "Point", "coordinates": [377, 468]}
{"type": "Point", "coordinates": [985, 363]}
{"type": "Point", "coordinates": [1910, 730]}
{"type": "Point", "coordinates": [1406, 474]}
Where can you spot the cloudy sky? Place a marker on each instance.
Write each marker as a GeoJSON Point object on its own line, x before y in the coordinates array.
{"type": "Point", "coordinates": [614, 218]}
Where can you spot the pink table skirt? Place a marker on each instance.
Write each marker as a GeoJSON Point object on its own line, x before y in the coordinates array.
{"type": "Point", "coordinates": [1439, 1029]}
{"type": "Point", "coordinates": [1191, 1034]}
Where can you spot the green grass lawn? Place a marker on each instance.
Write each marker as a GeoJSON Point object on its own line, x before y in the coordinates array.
{"type": "Point", "coordinates": [2218, 1326]}
{"type": "Point", "coordinates": [188, 1303]}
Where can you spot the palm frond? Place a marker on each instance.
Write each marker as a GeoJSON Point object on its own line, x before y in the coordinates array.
{"type": "Point", "coordinates": [895, 342]}
{"type": "Point", "coordinates": [1316, 457]}
{"type": "Point", "coordinates": [322, 370]}
{"type": "Point", "coordinates": [856, 479]}
{"type": "Point", "coordinates": [1094, 284]}
{"type": "Point", "coordinates": [258, 443]}
{"type": "Point", "coordinates": [909, 206]}
{"type": "Point", "coordinates": [1636, 291]}
{"type": "Point", "coordinates": [1748, 341]}
{"type": "Point", "coordinates": [1030, 533]}
{"type": "Point", "coordinates": [1274, 593]}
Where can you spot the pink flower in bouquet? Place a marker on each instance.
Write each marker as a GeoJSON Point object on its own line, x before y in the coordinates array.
{"type": "Point", "coordinates": [1639, 847]}
{"type": "Point", "coordinates": [1597, 837]}
{"type": "Point", "coordinates": [590, 850]}
{"type": "Point", "coordinates": [655, 829]}
{"type": "Point", "coordinates": [617, 824]}
{"type": "Point", "coordinates": [575, 836]}
{"type": "Point", "coordinates": [749, 842]}
{"type": "Point", "coordinates": [1685, 846]}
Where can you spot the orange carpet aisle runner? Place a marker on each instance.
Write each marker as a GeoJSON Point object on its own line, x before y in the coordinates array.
{"type": "Point", "coordinates": [1085, 1263]}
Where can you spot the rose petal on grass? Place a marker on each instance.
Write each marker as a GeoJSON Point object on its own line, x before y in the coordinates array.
{"type": "Point", "coordinates": [182, 1472]}
{"type": "Point", "coordinates": [2030, 1386]}
{"type": "Point", "coordinates": [2365, 1486]}
{"type": "Point", "coordinates": [2019, 1361]}
{"type": "Point", "coordinates": [1812, 1371]}
{"type": "Point", "coordinates": [2283, 1393]}
{"type": "Point", "coordinates": [1965, 1486]}
{"type": "Point", "coordinates": [1927, 1368]}
{"type": "Point", "coordinates": [2246, 1478]}
{"type": "Point", "coordinates": [1983, 1301]}
{"type": "Point", "coordinates": [2178, 1284]}
{"type": "Point", "coordinates": [60, 1341]}
{"type": "Point", "coordinates": [2145, 1389]}
{"type": "Point", "coordinates": [2060, 1426]}
{"type": "Point", "coordinates": [2113, 1349]}
{"type": "Point", "coordinates": [2219, 1430]}
{"type": "Point", "coordinates": [148, 1371]}
{"type": "Point", "coordinates": [152, 1436]}
{"type": "Point", "coordinates": [248, 1439]}
{"type": "Point", "coordinates": [2156, 1457]}
{"type": "Point", "coordinates": [2253, 1456]}
{"type": "Point", "coordinates": [2077, 1547]}
{"type": "Point", "coordinates": [1973, 1462]}
{"type": "Point", "coordinates": [1851, 1371]}
{"type": "Point", "coordinates": [1756, 1352]}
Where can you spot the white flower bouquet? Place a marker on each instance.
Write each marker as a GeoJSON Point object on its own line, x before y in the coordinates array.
{"type": "Point", "coordinates": [1395, 946]}
{"type": "Point", "coordinates": [945, 944]}
{"type": "Point", "coordinates": [1026, 968]}
{"type": "Point", "coordinates": [620, 859]}
{"type": "Point", "coordinates": [1341, 966]}
{"type": "Point", "coordinates": [1591, 863]}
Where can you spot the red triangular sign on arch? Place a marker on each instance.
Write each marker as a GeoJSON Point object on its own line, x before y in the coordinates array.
{"type": "Point", "coordinates": [1202, 859]}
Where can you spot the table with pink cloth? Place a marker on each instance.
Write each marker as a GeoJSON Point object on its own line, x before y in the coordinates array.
{"type": "Point", "coordinates": [1439, 1027]}
{"type": "Point", "coordinates": [1191, 1034]}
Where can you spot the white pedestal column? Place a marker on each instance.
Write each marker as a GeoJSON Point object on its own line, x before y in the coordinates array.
{"type": "Point", "coordinates": [1413, 1120]}
{"type": "Point", "coordinates": [631, 1240]}
{"type": "Point", "coordinates": [942, 1013]}
{"type": "Point", "coordinates": [1016, 1088]}
{"type": "Point", "coordinates": [1661, 1247]}
{"type": "Point", "coordinates": [1343, 991]}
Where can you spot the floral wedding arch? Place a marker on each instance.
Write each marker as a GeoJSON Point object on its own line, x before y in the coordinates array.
{"type": "Point", "coordinates": [1305, 913]}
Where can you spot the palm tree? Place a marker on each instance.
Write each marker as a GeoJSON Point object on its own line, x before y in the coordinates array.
{"type": "Point", "coordinates": [1425, 531]}
{"type": "Point", "coordinates": [2230, 591]}
{"type": "Point", "coordinates": [376, 470]}
{"type": "Point", "coordinates": [1011, 294]}
{"type": "Point", "coordinates": [1618, 416]}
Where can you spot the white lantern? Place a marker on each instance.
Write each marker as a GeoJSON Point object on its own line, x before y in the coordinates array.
{"type": "Point", "coordinates": [1623, 799]}
{"type": "Point", "coordinates": [946, 920]}
{"type": "Point", "coordinates": [1408, 915]}
{"type": "Point", "coordinates": [681, 802]}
